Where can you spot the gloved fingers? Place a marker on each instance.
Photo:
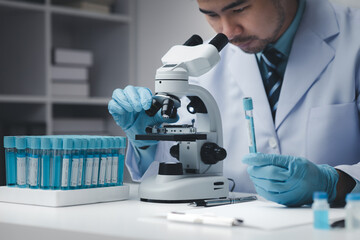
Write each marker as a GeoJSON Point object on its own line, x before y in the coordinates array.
{"type": "Point", "coordinates": [287, 198]}
{"type": "Point", "coordinates": [133, 98]}
{"type": "Point", "coordinates": [269, 172]}
{"type": "Point", "coordinates": [260, 159]}
{"type": "Point", "coordinates": [122, 101]}
{"type": "Point", "coordinates": [115, 109]}
{"type": "Point", "coordinates": [272, 185]}
{"type": "Point", "coordinates": [145, 97]}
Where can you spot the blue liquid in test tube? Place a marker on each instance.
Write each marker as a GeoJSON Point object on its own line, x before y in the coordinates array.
{"type": "Point", "coordinates": [103, 161]}
{"type": "Point", "coordinates": [55, 163]}
{"type": "Point", "coordinates": [89, 162]}
{"type": "Point", "coordinates": [34, 162]}
{"type": "Point", "coordinates": [10, 160]}
{"type": "Point", "coordinates": [46, 154]}
{"type": "Point", "coordinates": [21, 178]}
{"type": "Point", "coordinates": [81, 174]}
{"type": "Point", "coordinates": [248, 108]}
{"type": "Point", "coordinates": [121, 152]}
{"type": "Point", "coordinates": [95, 174]}
{"type": "Point", "coordinates": [75, 163]}
{"type": "Point", "coordinates": [68, 144]}
{"type": "Point", "coordinates": [115, 161]}
{"type": "Point", "coordinates": [109, 161]}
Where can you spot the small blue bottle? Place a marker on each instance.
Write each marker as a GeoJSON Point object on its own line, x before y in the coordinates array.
{"type": "Point", "coordinates": [20, 143]}
{"type": "Point", "coordinates": [121, 151]}
{"type": "Point", "coordinates": [89, 162]}
{"type": "Point", "coordinates": [46, 154]}
{"type": "Point", "coordinates": [109, 161]}
{"type": "Point", "coordinates": [68, 145]}
{"type": "Point", "coordinates": [55, 163]}
{"type": "Point", "coordinates": [103, 161]}
{"type": "Point", "coordinates": [115, 161]}
{"type": "Point", "coordinates": [81, 174]}
{"type": "Point", "coordinates": [95, 174]}
{"type": "Point", "coordinates": [34, 162]}
{"type": "Point", "coordinates": [320, 208]}
{"type": "Point", "coordinates": [75, 163]}
{"type": "Point", "coordinates": [10, 160]}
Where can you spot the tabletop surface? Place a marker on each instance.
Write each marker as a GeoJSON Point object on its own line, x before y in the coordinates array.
{"type": "Point", "coordinates": [132, 219]}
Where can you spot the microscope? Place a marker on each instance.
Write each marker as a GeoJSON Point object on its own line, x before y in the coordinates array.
{"type": "Point", "coordinates": [199, 150]}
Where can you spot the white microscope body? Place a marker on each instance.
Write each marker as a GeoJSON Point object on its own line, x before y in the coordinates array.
{"type": "Point", "coordinates": [198, 175]}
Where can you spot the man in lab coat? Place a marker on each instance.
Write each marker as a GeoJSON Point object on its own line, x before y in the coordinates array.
{"type": "Point", "coordinates": [300, 62]}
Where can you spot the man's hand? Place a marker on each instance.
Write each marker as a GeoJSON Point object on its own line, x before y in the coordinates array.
{"type": "Point", "coordinates": [290, 180]}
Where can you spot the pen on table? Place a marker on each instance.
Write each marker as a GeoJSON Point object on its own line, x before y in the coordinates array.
{"type": "Point", "coordinates": [207, 219]}
{"type": "Point", "coordinates": [219, 202]}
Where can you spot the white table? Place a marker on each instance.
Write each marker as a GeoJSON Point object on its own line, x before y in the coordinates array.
{"type": "Point", "coordinates": [132, 219]}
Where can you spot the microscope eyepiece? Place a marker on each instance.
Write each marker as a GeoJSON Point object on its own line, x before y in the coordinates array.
{"type": "Point", "coordinates": [194, 40]}
{"type": "Point", "coordinates": [219, 41]}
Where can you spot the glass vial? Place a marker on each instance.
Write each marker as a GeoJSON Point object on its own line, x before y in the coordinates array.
{"type": "Point", "coordinates": [68, 144]}
{"type": "Point", "coordinates": [20, 143]}
{"type": "Point", "coordinates": [10, 160]}
{"type": "Point", "coordinates": [103, 161]}
{"type": "Point", "coordinates": [89, 162]}
{"type": "Point", "coordinates": [121, 151]}
{"type": "Point", "coordinates": [320, 209]}
{"type": "Point", "coordinates": [352, 209]}
{"type": "Point", "coordinates": [74, 163]}
{"type": "Point", "coordinates": [55, 163]}
{"type": "Point", "coordinates": [95, 174]}
{"type": "Point", "coordinates": [46, 153]}
{"type": "Point", "coordinates": [34, 155]}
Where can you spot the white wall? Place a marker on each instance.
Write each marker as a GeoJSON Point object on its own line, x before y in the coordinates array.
{"type": "Point", "coordinates": [164, 23]}
{"type": "Point", "coordinates": [160, 25]}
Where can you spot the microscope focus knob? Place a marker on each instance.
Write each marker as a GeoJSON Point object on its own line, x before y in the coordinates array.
{"type": "Point", "coordinates": [170, 168]}
{"type": "Point", "coordinates": [175, 151]}
{"type": "Point", "coordinates": [211, 153]}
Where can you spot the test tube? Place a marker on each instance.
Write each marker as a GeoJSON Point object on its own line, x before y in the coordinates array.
{"type": "Point", "coordinates": [95, 174]}
{"type": "Point", "coordinates": [68, 144]}
{"type": "Point", "coordinates": [103, 161]}
{"type": "Point", "coordinates": [55, 163]}
{"type": "Point", "coordinates": [34, 162]}
{"type": "Point", "coordinates": [115, 161]}
{"type": "Point", "coordinates": [109, 161]}
{"type": "Point", "coordinates": [89, 162]}
{"type": "Point", "coordinates": [27, 151]}
{"type": "Point", "coordinates": [75, 163]}
{"type": "Point", "coordinates": [10, 160]}
{"type": "Point", "coordinates": [121, 160]}
{"type": "Point", "coordinates": [81, 174]}
{"type": "Point", "coordinates": [248, 108]}
{"type": "Point", "coordinates": [20, 143]}
{"type": "Point", "coordinates": [46, 153]}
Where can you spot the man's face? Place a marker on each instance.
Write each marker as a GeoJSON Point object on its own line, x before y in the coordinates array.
{"type": "Point", "coordinates": [249, 24]}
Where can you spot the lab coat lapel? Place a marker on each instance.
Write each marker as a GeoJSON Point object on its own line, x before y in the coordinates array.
{"type": "Point", "coordinates": [309, 56]}
{"type": "Point", "coordinates": [245, 70]}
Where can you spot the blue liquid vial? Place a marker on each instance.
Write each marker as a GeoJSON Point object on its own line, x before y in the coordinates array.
{"type": "Point", "coordinates": [34, 162]}
{"type": "Point", "coordinates": [121, 152]}
{"type": "Point", "coordinates": [68, 145]}
{"type": "Point", "coordinates": [81, 173]}
{"type": "Point", "coordinates": [115, 161]}
{"type": "Point", "coordinates": [89, 162]}
{"type": "Point", "coordinates": [74, 163]}
{"type": "Point", "coordinates": [103, 161]}
{"type": "Point", "coordinates": [46, 154]}
{"type": "Point", "coordinates": [320, 208]}
{"type": "Point", "coordinates": [55, 163]}
{"type": "Point", "coordinates": [109, 161]}
{"type": "Point", "coordinates": [95, 173]}
{"type": "Point", "coordinates": [10, 160]}
{"type": "Point", "coordinates": [20, 143]}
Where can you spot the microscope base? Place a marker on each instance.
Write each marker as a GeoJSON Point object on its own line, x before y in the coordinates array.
{"type": "Point", "coordinates": [183, 188]}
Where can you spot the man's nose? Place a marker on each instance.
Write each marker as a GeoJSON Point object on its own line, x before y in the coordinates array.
{"type": "Point", "coordinates": [230, 28]}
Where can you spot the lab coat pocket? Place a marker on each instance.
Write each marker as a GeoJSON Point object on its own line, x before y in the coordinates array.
{"type": "Point", "coordinates": [333, 134]}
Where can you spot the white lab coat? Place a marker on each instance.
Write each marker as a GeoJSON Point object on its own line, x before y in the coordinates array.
{"type": "Point", "coordinates": [319, 104]}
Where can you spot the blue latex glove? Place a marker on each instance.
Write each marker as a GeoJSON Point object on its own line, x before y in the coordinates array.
{"type": "Point", "coordinates": [128, 108]}
{"type": "Point", "coordinates": [290, 180]}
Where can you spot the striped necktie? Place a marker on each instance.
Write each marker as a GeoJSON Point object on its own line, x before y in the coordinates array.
{"type": "Point", "coordinates": [271, 59]}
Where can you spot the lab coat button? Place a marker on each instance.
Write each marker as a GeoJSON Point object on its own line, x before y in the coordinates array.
{"type": "Point", "coordinates": [273, 143]}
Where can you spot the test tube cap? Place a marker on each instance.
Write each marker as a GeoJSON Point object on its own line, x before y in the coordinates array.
{"type": "Point", "coordinates": [56, 143]}
{"type": "Point", "coordinates": [20, 142]}
{"type": "Point", "coordinates": [353, 197]}
{"type": "Point", "coordinates": [320, 195]}
{"type": "Point", "coordinates": [123, 142]}
{"type": "Point", "coordinates": [9, 141]}
{"type": "Point", "coordinates": [117, 142]}
{"type": "Point", "coordinates": [68, 143]}
{"type": "Point", "coordinates": [248, 104]}
{"type": "Point", "coordinates": [77, 143]}
{"type": "Point", "coordinates": [45, 143]}
{"type": "Point", "coordinates": [111, 142]}
{"type": "Point", "coordinates": [104, 143]}
{"type": "Point", "coordinates": [84, 144]}
{"type": "Point", "coordinates": [35, 143]}
{"type": "Point", "coordinates": [98, 143]}
{"type": "Point", "coordinates": [92, 143]}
